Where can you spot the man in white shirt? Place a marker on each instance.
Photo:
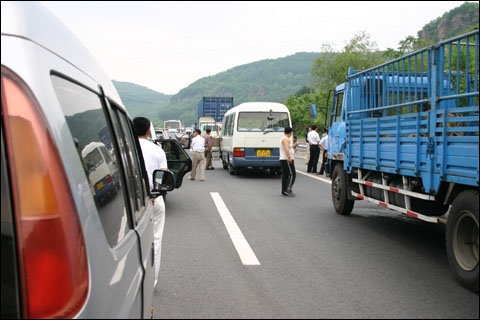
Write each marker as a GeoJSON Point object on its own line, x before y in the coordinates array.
{"type": "Point", "coordinates": [155, 159]}
{"type": "Point", "coordinates": [198, 148]}
{"type": "Point", "coordinates": [324, 146]}
{"type": "Point", "coordinates": [314, 141]}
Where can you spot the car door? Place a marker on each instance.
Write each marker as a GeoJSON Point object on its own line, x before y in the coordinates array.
{"type": "Point", "coordinates": [140, 204]}
{"type": "Point", "coordinates": [178, 160]}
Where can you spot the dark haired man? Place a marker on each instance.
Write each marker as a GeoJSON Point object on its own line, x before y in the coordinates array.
{"type": "Point", "coordinates": [198, 148]}
{"type": "Point", "coordinates": [314, 141]}
{"type": "Point", "coordinates": [287, 162]}
{"type": "Point", "coordinates": [155, 159]}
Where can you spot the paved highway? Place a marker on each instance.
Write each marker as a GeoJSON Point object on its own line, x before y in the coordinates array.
{"type": "Point", "coordinates": [312, 263]}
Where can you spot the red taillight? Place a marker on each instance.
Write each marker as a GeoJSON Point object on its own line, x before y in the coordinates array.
{"type": "Point", "coordinates": [238, 152]}
{"type": "Point", "coordinates": [109, 178]}
{"type": "Point", "coordinates": [51, 248]}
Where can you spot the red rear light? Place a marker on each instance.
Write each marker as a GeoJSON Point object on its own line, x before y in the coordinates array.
{"type": "Point", "coordinates": [109, 178]}
{"type": "Point", "coordinates": [238, 152]}
{"type": "Point", "coordinates": [51, 248]}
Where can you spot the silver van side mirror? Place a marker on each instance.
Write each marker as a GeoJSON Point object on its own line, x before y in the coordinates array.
{"type": "Point", "coordinates": [163, 181]}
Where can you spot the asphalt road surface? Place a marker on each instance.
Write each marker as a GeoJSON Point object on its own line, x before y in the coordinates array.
{"type": "Point", "coordinates": [312, 262]}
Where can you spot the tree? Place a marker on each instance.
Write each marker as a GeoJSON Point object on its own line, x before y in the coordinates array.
{"type": "Point", "coordinates": [330, 69]}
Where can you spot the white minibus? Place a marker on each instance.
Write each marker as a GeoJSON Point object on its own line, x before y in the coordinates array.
{"type": "Point", "coordinates": [250, 136]}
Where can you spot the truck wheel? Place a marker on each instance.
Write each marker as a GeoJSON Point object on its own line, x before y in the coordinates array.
{"type": "Point", "coordinates": [462, 239]}
{"type": "Point", "coordinates": [342, 204]}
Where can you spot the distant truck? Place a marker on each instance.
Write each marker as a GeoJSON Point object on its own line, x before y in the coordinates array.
{"type": "Point", "coordinates": [405, 135]}
{"type": "Point", "coordinates": [214, 107]}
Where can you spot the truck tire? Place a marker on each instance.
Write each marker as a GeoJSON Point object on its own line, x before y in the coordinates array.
{"type": "Point", "coordinates": [462, 239]}
{"type": "Point", "coordinates": [341, 203]}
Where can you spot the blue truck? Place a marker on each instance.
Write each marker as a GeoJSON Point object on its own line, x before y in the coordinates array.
{"type": "Point", "coordinates": [215, 107]}
{"type": "Point", "coordinates": [405, 135]}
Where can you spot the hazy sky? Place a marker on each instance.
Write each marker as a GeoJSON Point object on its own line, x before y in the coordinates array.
{"type": "Point", "coordinates": [168, 45]}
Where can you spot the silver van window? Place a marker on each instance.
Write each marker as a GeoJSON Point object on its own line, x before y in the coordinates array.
{"type": "Point", "coordinates": [87, 122]}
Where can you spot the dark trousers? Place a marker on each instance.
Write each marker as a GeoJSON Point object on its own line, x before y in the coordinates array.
{"type": "Point", "coordinates": [289, 175]}
{"type": "Point", "coordinates": [314, 155]}
{"type": "Point", "coordinates": [325, 163]}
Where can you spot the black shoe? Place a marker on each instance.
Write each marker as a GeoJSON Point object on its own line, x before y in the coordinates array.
{"type": "Point", "coordinates": [212, 168]}
{"type": "Point", "coordinates": [287, 194]}
{"type": "Point", "coordinates": [291, 192]}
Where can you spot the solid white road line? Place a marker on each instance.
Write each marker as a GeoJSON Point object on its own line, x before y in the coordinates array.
{"type": "Point", "coordinates": [243, 248]}
{"type": "Point", "coordinates": [311, 176]}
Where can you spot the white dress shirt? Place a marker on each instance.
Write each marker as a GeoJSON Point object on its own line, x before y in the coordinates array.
{"type": "Point", "coordinates": [154, 157]}
{"type": "Point", "coordinates": [324, 142]}
{"type": "Point", "coordinates": [313, 137]}
{"type": "Point", "coordinates": [198, 144]}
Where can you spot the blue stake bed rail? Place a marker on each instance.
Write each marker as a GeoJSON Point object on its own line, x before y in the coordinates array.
{"type": "Point", "coordinates": [416, 116]}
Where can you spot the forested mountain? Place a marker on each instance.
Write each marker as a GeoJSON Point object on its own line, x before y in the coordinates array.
{"type": "Point", "coordinates": [265, 80]}
{"type": "Point", "coordinates": [454, 22]}
{"type": "Point", "coordinates": [142, 101]}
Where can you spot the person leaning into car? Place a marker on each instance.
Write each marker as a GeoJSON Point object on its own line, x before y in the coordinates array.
{"type": "Point", "coordinates": [155, 159]}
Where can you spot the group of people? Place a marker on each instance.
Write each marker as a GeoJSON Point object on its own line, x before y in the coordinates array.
{"type": "Point", "coordinates": [155, 158]}
{"type": "Point", "coordinates": [315, 146]}
{"type": "Point", "coordinates": [202, 152]}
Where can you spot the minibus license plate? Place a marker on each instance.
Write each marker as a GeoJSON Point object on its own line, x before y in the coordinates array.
{"type": "Point", "coordinates": [100, 185]}
{"type": "Point", "coordinates": [263, 153]}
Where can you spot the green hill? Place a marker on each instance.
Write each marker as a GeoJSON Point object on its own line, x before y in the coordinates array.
{"type": "Point", "coordinates": [142, 101]}
{"type": "Point", "coordinates": [452, 23]}
{"type": "Point", "coordinates": [265, 80]}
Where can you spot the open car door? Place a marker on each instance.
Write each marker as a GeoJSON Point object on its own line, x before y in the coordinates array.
{"type": "Point", "coordinates": [178, 160]}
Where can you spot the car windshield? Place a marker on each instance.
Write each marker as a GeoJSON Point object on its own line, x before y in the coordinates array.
{"type": "Point", "coordinates": [262, 121]}
{"type": "Point", "coordinates": [93, 160]}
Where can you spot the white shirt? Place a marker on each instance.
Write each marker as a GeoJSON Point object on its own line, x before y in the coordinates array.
{"type": "Point", "coordinates": [154, 157]}
{"type": "Point", "coordinates": [313, 137]}
{"type": "Point", "coordinates": [198, 144]}
{"type": "Point", "coordinates": [324, 142]}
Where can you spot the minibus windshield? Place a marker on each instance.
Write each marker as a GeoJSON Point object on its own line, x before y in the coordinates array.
{"type": "Point", "coordinates": [262, 121]}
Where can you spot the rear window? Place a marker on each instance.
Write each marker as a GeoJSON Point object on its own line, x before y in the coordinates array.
{"type": "Point", "coordinates": [262, 121]}
{"type": "Point", "coordinates": [93, 160]}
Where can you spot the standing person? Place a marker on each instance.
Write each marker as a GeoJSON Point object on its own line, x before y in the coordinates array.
{"type": "Point", "coordinates": [155, 159]}
{"type": "Point", "coordinates": [198, 148]}
{"type": "Point", "coordinates": [324, 146]}
{"type": "Point", "coordinates": [208, 149]}
{"type": "Point", "coordinates": [314, 141]}
{"type": "Point", "coordinates": [287, 162]}
{"type": "Point", "coordinates": [294, 142]}
{"type": "Point", "coordinates": [308, 145]}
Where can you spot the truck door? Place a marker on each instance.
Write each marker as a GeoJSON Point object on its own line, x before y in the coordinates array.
{"type": "Point", "coordinates": [337, 132]}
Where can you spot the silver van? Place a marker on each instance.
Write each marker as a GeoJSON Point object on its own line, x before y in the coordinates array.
{"type": "Point", "coordinates": [65, 253]}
